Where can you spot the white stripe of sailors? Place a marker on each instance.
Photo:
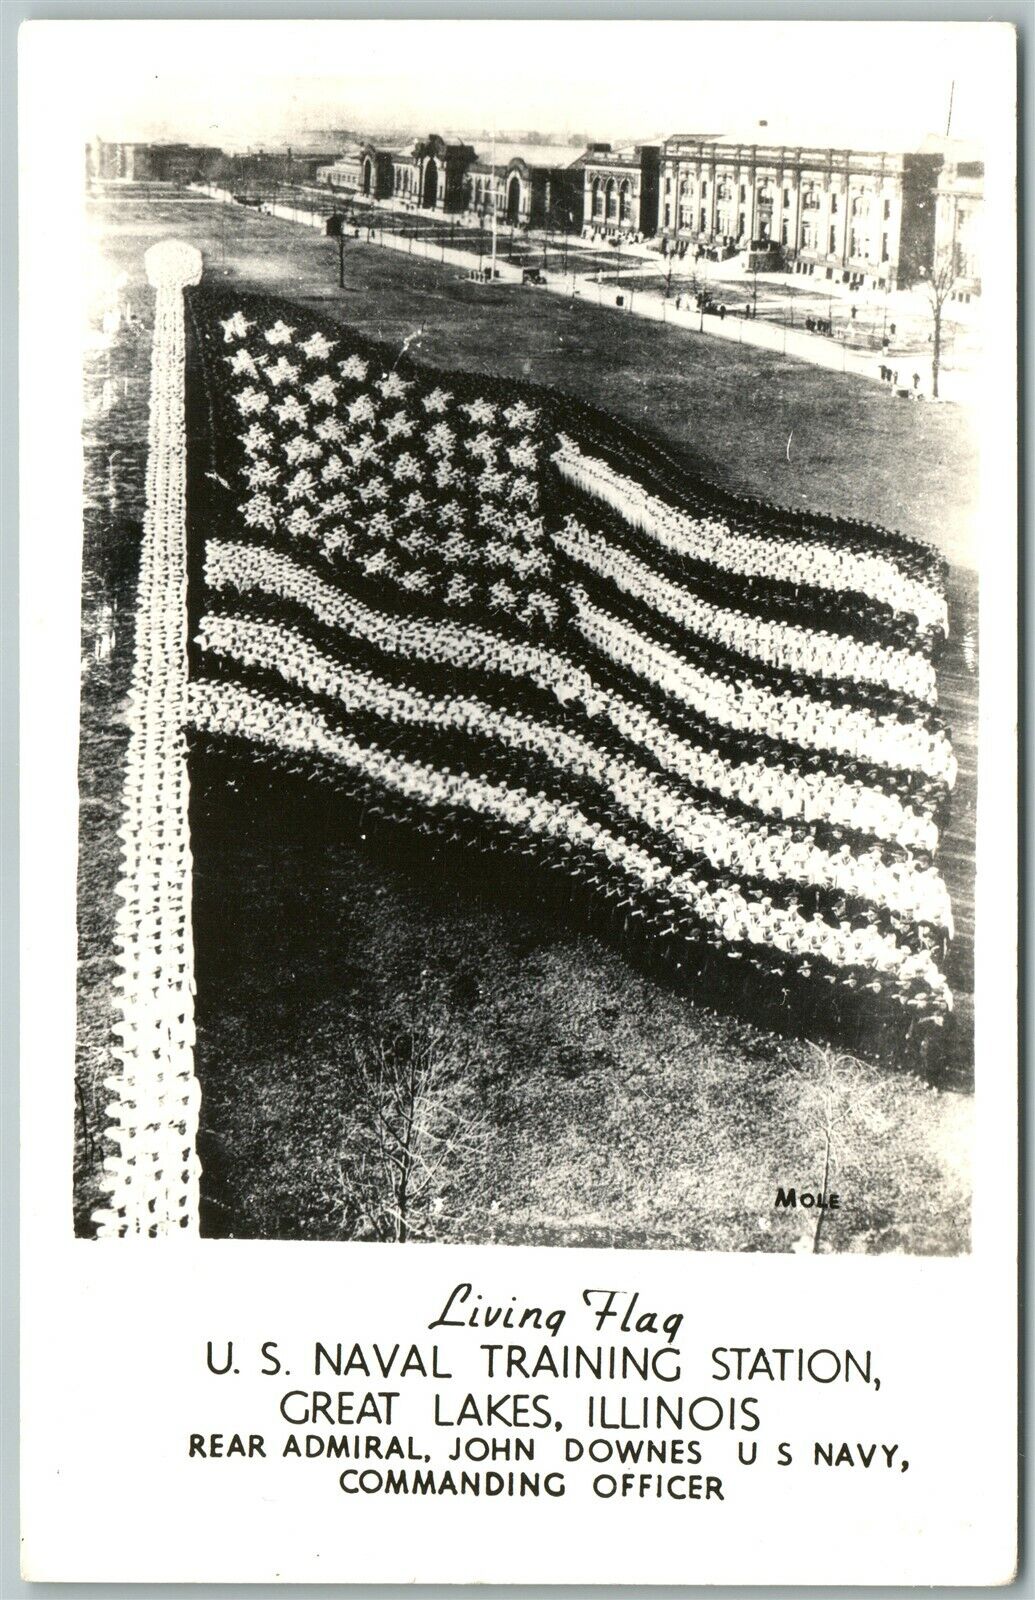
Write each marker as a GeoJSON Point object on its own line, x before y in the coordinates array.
{"type": "Point", "coordinates": [709, 539]}
{"type": "Point", "coordinates": [777, 644]}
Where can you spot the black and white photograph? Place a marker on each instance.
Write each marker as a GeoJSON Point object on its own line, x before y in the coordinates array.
{"type": "Point", "coordinates": [517, 758]}
{"type": "Point", "coordinates": [529, 656]}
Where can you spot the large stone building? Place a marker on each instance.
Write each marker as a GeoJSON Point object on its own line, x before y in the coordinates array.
{"type": "Point", "coordinates": [620, 190]}
{"type": "Point", "coordinates": [431, 174]}
{"type": "Point", "coordinates": [959, 207]}
{"type": "Point", "coordinates": [857, 216]}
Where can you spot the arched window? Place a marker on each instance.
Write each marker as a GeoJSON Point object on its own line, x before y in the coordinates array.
{"type": "Point", "coordinates": [514, 200]}
{"type": "Point", "coordinates": [625, 201]}
{"type": "Point", "coordinates": [611, 194]}
{"type": "Point", "coordinates": [598, 198]}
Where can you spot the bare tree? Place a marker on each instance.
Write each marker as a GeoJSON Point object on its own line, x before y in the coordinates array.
{"type": "Point", "coordinates": [938, 280]}
{"type": "Point", "coordinates": [409, 1133]}
{"type": "Point", "coordinates": [840, 1105]}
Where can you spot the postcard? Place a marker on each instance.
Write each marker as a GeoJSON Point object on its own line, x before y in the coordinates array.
{"type": "Point", "coordinates": [518, 593]}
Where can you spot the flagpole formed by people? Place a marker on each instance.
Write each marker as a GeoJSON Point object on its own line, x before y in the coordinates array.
{"type": "Point", "coordinates": [153, 1176]}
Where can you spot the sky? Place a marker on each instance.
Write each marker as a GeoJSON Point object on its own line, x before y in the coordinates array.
{"type": "Point", "coordinates": [238, 84]}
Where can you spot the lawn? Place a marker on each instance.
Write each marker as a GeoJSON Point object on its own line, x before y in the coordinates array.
{"type": "Point", "coordinates": [599, 1106]}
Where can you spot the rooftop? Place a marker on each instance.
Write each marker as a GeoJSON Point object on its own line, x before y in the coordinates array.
{"type": "Point", "coordinates": [800, 136]}
{"type": "Point", "coordinates": [533, 155]}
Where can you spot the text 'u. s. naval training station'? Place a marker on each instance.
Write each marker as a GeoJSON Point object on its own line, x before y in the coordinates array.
{"type": "Point", "coordinates": [496, 1397]}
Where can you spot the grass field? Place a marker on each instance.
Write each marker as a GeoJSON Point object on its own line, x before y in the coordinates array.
{"type": "Point", "coordinates": [601, 1107]}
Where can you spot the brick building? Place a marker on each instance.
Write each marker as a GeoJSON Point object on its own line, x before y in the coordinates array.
{"type": "Point", "coordinates": [620, 189]}
{"type": "Point", "coordinates": [428, 174]}
{"type": "Point", "coordinates": [368, 170]}
{"type": "Point", "coordinates": [139, 161]}
{"type": "Point", "coordinates": [536, 185]}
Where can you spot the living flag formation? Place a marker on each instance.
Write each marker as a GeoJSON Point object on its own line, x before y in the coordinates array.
{"type": "Point", "coordinates": [491, 614]}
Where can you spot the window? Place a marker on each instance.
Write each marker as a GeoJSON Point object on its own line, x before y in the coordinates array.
{"type": "Point", "coordinates": [786, 201]}
{"type": "Point", "coordinates": [887, 210]}
{"type": "Point", "coordinates": [806, 236]}
{"type": "Point", "coordinates": [833, 202]}
{"type": "Point", "coordinates": [741, 226]}
{"type": "Point", "coordinates": [833, 241]}
{"type": "Point", "coordinates": [885, 254]}
{"type": "Point", "coordinates": [668, 215]}
{"type": "Point", "coordinates": [743, 194]}
{"type": "Point", "coordinates": [704, 188]}
{"type": "Point", "coordinates": [704, 219]}
{"type": "Point", "coordinates": [785, 229]}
